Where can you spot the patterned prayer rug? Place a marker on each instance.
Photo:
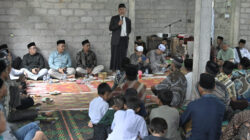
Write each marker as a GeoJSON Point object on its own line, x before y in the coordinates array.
{"type": "Point", "coordinates": [71, 125]}
{"type": "Point", "coordinates": [67, 101]}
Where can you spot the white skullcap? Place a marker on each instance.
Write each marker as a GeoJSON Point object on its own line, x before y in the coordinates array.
{"type": "Point", "coordinates": [162, 47]}
{"type": "Point", "coordinates": [139, 48]}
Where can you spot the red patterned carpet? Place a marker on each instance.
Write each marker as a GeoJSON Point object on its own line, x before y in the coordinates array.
{"type": "Point", "coordinates": [73, 96]}
{"type": "Point", "coordinates": [64, 87]}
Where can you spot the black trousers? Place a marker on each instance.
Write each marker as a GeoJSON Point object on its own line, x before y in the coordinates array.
{"type": "Point", "coordinates": [22, 115]}
{"type": "Point", "coordinates": [25, 103]}
{"type": "Point", "coordinates": [118, 52]}
{"type": "Point", "coordinates": [100, 132]}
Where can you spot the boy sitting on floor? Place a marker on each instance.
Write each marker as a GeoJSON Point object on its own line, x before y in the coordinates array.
{"type": "Point", "coordinates": [158, 128]}
{"type": "Point", "coordinates": [168, 113]}
{"type": "Point", "coordinates": [131, 92]}
{"type": "Point", "coordinates": [98, 107]}
{"type": "Point", "coordinates": [127, 125]}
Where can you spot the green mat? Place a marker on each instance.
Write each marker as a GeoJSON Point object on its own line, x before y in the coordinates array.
{"type": "Point", "coordinates": [71, 125]}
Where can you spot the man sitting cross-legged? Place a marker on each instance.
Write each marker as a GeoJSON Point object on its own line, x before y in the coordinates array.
{"type": "Point", "coordinates": [60, 63]}
{"type": "Point", "coordinates": [86, 60]}
{"type": "Point", "coordinates": [33, 63]}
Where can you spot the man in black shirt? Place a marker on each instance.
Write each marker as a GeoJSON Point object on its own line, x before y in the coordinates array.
{"type": "Point", "coordinates": [33, 63]}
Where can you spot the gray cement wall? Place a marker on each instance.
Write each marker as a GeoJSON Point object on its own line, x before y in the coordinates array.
{"type": "Point", "coordinates": [222, 25]}
{"type": "Point", "coordinates": [153, 15]}
{"type": "Point", "coordinates": [235, 27]}
{"type": "Point", "coordinates": [244, 29]}
{"type": "Point", "coordinates": [46, 21]}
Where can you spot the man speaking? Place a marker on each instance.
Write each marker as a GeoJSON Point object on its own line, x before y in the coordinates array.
{"type": "Point", "coordinates": [121, 28]}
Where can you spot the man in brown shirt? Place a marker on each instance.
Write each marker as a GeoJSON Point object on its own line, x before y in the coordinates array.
{"type": "Point", "coordinates": [86, 60]}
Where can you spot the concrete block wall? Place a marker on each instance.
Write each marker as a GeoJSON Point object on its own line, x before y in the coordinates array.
{"type": "Point", "coordinates": [46, 21]}
{"type": "Point", "coordinates": [190, 16]}
{"type": "Point", "coordinates": [153, 15]}
{"type": "Point", "coordinates": [222, 25]}
{"type": "Point", "coordinates": [244, 29]}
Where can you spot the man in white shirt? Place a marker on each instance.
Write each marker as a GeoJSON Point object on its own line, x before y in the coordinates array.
{"type": "Point", "coordinates": [97, 109]}
{"type": "Point", "coordinates": [127, 125]}
{"type": "Point", "coordinates": [241, 51]}
{"type": "Point", "coordinates": [188, 63]}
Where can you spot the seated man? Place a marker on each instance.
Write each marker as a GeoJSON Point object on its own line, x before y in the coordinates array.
{"type": "Point", "coordinates": [86, 60]}
{"type": "Point", "coordinates": [5, 53]}
{"type": "Point", "coordinates": [131, 82]}
{"type": "Point", "coordinates": [225, 54]}
{"type": "Point", "coordinates": [238, 127]}
{"type": "Point", "coordinates": [244, 68]}
{"type": "Point", "coordinates": [220, 90]}
{"type": "Point", "coordinates": [168, 113]}
{"type": "Point", "coordinates": [206, 113]}
{"type": "Point", "coordinates": [176, 82]}
{"type": "Point", "coordinates": [219, 44]}
{"type": "Point", "coordinates": [16, 61]}
{"type": "Point", "coordinates": [241, 79]}
{"type": "Point", "coordinates": [60, 62]}
{"type": "Point", "coordinates": [157, 59]}
{"type": "Point", "coordinates": [120, 76]}
{"type": "Point", "coordinates": [224, 78]}
{"type": "Point", "coordinates": [241, 51]}
{"type": "Point", "coordinates": [142, 43]}
{"type": "Point", "coordinates": [33, 63]}
{"type": "Point", "coordinates": [14, 99]}
{"type": "Point", "coordinates": [180, 50]}
{"type": "Point", "coordinates": [139, 59]}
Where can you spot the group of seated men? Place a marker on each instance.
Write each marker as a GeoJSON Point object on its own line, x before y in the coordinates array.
{"type": "Point", "coordinates": [154, 60]}
{"type": "Point", "coordinates": [223, 52]}
{"type": "Point", "coordinates": [34, 67]}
